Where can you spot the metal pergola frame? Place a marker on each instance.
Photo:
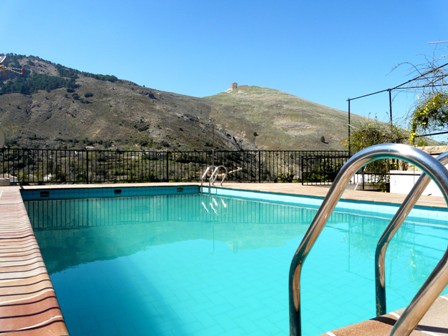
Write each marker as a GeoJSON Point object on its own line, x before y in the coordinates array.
{"type": "Point", "coordinates": [402, 86]}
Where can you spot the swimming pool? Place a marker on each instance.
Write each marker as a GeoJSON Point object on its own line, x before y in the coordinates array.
{"type": "Point", "coordinates": [176, 261]}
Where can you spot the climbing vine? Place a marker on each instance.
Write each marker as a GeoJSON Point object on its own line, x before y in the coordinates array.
{"type": "Point", "coordinates": [430, 114]}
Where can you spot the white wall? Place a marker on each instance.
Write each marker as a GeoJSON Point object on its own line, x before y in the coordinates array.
{"type": "Point", "coordinates": [401, 182]}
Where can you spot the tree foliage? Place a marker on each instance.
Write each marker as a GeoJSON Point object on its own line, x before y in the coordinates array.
{"type": "Point", "coordinates": [72, 73]}
{"type": "Point", "coordinates": [431, 114]}
{"type": "Point", "coordinates": [373, 133]}
{"type": "Point", "coordinates": [36, 82]}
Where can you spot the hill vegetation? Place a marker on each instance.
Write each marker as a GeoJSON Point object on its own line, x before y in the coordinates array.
{"type": "Point", "coordinates": [52, 106]}
{"type": "Point", "coordinates": [271, 119]}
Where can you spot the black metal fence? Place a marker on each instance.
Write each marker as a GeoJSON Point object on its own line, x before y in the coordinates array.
{"type": "Point", "coordinates": [321, 169]}
{"type": "Point", "coordinates": [55, 166]}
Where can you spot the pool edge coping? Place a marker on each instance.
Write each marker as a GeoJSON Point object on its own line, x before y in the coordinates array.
{"type": "Point", "coordinates": [29, 301]}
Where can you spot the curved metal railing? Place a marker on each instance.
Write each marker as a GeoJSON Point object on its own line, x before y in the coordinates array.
{"type": "Point", "coordinates": [209, 168]}
{"type": "Point", "coordinates": [398, 219]}
{"type": "Point", "coordinates": [214, 175]}
{"type": "Point", "coordinates": [436, 281]}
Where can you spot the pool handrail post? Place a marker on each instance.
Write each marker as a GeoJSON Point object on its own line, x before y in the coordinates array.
{"type": "Point", "coordinates": [205, 173]}
{"type": "Point", "coordinates": [426, 163]}
{"type": "Point", "coordinates": [394, 225]}
{"type": "Point", "coordinates": [214, 175]}
{"type": "Point", "coordinates": [422, 301]}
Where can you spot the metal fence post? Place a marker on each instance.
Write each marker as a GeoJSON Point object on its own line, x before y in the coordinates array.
{"type": "Point", "coordinates": [167, 168]}
{"type": "Point", "coordinates": [87, 166]}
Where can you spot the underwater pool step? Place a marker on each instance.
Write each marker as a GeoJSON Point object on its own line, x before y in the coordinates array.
{"type": "Point", "coordinates": [435, 322]}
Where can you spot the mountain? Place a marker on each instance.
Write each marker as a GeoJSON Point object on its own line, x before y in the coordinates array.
{"type": "Point", "coordinates": [52, 106]}
{"type": "Point", "coordinates": [271, 119]}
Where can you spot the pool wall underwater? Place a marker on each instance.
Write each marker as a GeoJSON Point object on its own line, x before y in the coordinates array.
{"type": "Point", "coordinates": [363, 206]}
{"type": "Point", "coordinates": [372, 208]}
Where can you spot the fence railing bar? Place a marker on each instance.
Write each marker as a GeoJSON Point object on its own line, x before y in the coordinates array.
{"type": "Point", "coordinates": [59, 166]}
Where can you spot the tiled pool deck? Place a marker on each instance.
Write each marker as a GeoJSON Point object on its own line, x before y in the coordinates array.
{"type": "Point", "coordinates": [28, 305]}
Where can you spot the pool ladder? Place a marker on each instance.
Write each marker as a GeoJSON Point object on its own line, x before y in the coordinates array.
{"type": "Point", "coordinates": [435, 283]}
{"type": "Point", "coordinates": [214, 175]}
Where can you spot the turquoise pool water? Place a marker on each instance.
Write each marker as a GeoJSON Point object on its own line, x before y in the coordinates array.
{"type": "Point", "coordinates": [205, 264]}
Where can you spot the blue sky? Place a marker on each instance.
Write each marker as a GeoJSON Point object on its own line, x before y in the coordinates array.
{"type": "Point", "coordinates": [322, 51]}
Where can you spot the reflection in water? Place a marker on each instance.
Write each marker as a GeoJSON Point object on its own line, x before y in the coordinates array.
{"type": "Point", "coordinates": [166, 264]}
{"type": "Point", "coordinates": [122, 226]}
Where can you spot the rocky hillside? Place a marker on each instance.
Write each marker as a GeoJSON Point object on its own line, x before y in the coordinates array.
{"type": "Point", "coordinates": [270, 119]}
{"type": "Point", "coordinates": [52, 106]}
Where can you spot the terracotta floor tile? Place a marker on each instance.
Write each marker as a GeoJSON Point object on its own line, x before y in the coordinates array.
{"type": "Point", "coordinates": [28, 305]}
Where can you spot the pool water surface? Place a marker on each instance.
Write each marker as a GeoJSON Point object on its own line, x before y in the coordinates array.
{"type": "Point", "coordinates": [216, 265]}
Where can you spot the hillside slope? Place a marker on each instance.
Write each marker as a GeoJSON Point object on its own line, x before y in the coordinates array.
{"type": "Point", "coordinates": [53, 106]}
{"type": "Point", "coordinates": [271, 119]}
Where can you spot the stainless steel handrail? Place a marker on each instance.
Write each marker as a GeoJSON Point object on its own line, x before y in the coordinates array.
{"type": "Point", "coordinates": [399, 217]}
{"type": "Point", "coordinates": [215, 175]}
{"type": "Point", "coordinates": [438, 278]}
{"type": "Point", "coordinates": [206, 172]}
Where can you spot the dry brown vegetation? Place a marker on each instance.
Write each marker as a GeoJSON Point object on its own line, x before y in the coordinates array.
{"type": "Point", "coordinates": [105, 113]}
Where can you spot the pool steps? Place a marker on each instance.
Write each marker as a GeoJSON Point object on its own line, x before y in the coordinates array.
{"type": "Point", "coordinates": [435, 322]}
{"type": "Point", "coordinates": [436, 281]}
